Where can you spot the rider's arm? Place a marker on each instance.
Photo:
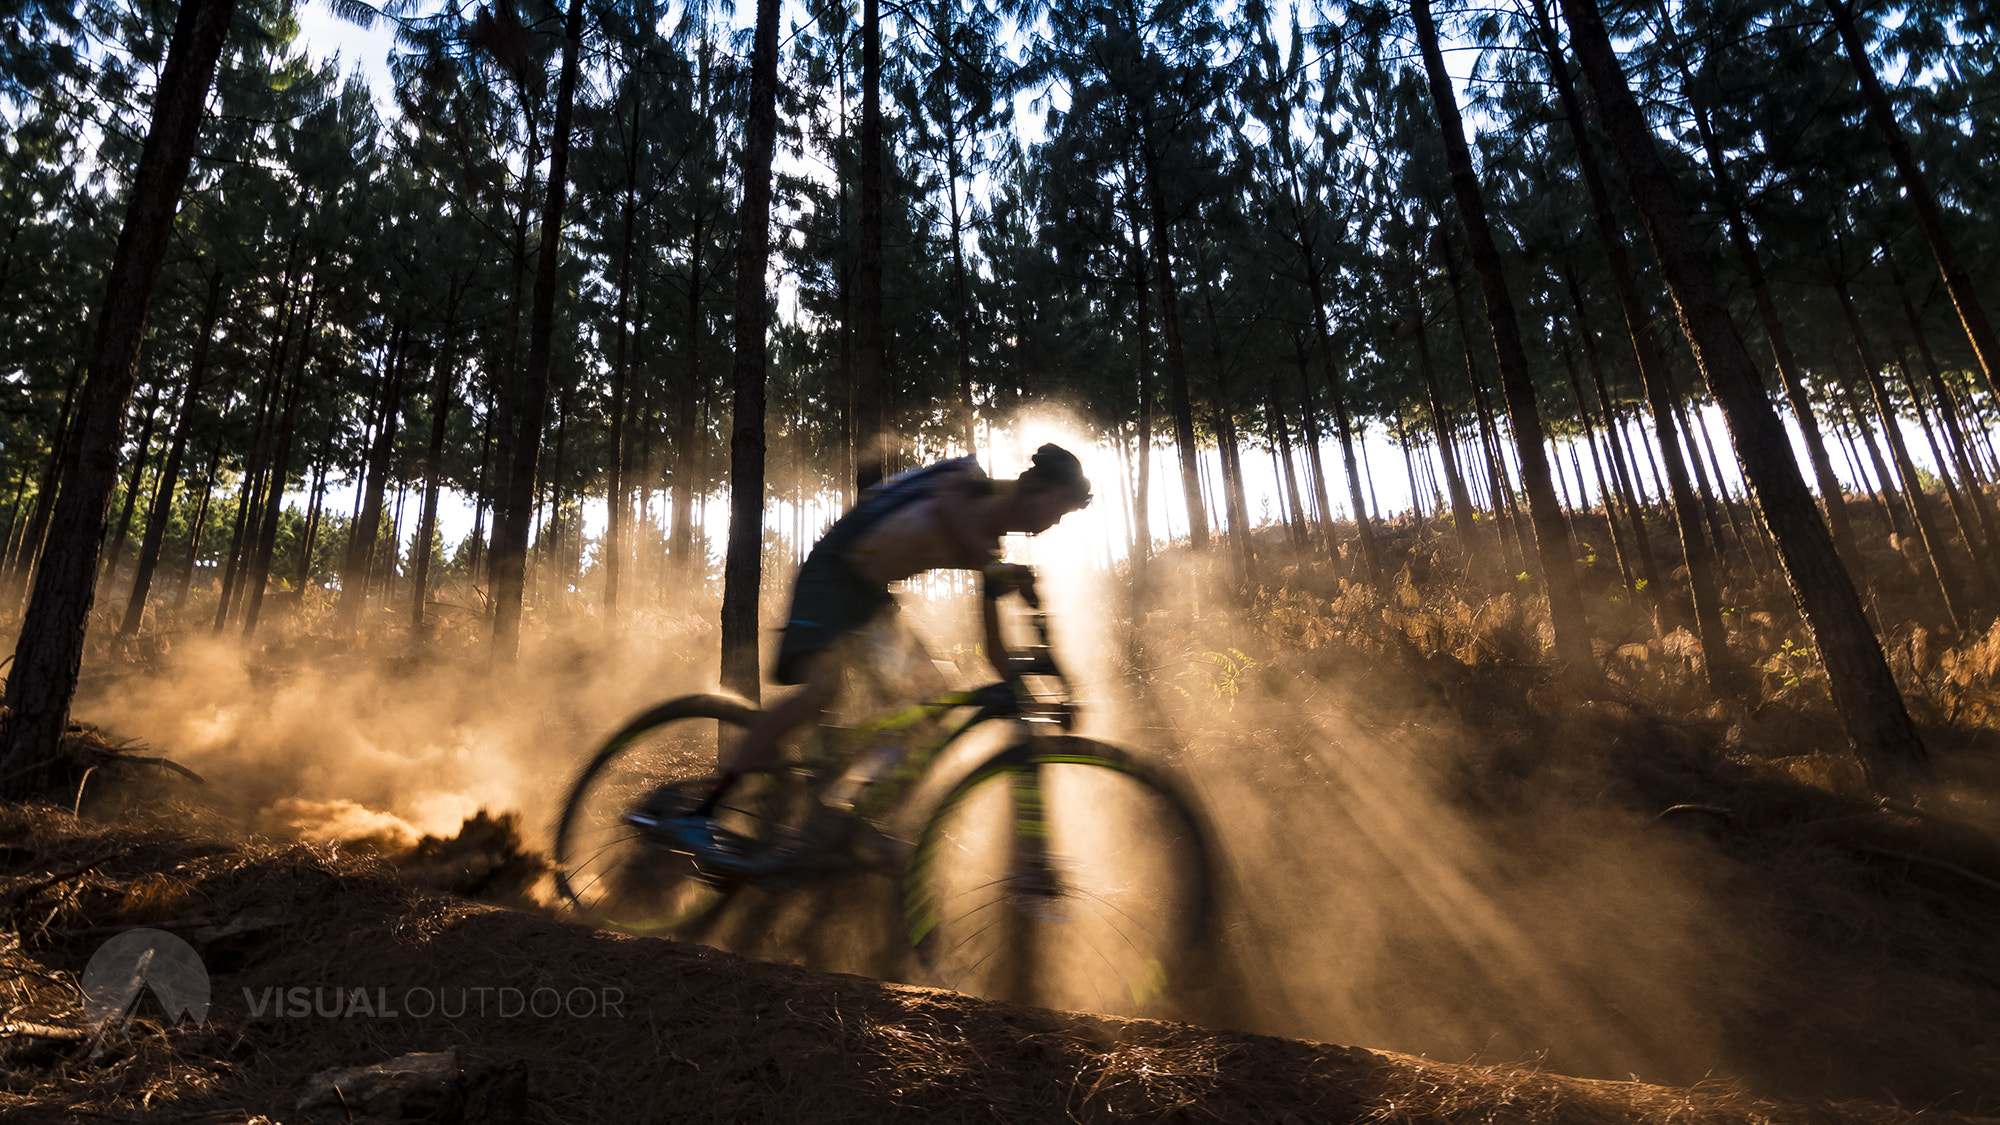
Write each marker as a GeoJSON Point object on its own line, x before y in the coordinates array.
{"type": "Point", "coordinates": [996, 644]}
{"type": "Point", "coordinates": [998, 579]}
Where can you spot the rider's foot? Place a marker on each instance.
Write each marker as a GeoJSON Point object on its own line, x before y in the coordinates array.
{"type": "Point", "coordinates": [680, 815]}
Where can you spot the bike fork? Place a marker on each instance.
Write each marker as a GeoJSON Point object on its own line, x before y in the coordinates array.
{"type": "Point", "coordinates": [1037, 886]}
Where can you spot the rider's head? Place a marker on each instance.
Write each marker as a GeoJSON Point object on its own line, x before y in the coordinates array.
{"type": "Point", "coordinates": [1051, 488]}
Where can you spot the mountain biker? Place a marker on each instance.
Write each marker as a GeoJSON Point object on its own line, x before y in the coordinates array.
{"type": "Point", "coordinates": [944, 516]}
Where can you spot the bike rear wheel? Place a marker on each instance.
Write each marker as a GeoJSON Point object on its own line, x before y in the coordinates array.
{"type": "Point", "coordinates": [617, 876]}
{"type": "Point", "coordinates": [1064, 873]}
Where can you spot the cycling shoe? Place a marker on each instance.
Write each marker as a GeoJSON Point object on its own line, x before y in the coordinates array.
{"type": "Point", "coordinates": [715, 850]}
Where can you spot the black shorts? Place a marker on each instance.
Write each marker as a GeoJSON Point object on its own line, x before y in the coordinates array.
{"type": "Point", "coordinates": [829, 601]}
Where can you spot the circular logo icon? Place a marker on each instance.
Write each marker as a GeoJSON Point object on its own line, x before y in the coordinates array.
{"type": "Point", "coordinates": [123, 968]}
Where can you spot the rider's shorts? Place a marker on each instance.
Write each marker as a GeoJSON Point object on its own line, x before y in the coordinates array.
{"type": "Point", "coordinates": [829, 601]}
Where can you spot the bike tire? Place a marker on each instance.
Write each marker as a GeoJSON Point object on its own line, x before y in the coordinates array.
{"type": "Point", "coordinates": [608, 871]}
{"type": "Point", "coordinates": [1135, 890]}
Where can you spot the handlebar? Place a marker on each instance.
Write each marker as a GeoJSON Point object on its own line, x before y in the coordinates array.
{"type": "Point", "coordinates": [1040, 660]}
{"type": "Point", "coordinates": [1037, 659]}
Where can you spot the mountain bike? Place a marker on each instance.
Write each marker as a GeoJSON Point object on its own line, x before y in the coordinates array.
{"type": "Point", "coordinates": [1060, 870]}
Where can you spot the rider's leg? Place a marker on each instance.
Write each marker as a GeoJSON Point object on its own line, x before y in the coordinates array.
{"type": "Point", "coordinates": [819, 682]}
{"type": "Point", "coordinates": [819, 678]}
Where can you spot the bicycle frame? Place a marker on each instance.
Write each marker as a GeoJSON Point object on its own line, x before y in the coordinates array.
{"type": "Point", "coordinates": [999, 700]}
{"type": "Point", "coordinates": [1016, 826]}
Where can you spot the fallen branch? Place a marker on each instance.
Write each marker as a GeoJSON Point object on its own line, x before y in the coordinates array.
{"type": "Point", "coordinates": [1712, 810]}
{"type": "Point", "coordinates": [44, 1031]}
{"type": "Point", "coordinates": [165, 764]}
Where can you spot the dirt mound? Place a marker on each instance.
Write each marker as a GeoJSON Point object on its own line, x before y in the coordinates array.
{"type": "Point", "coordinates": [317, 959]}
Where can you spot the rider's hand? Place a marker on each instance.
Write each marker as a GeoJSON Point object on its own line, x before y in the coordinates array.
{"type": "Point", "coordinates": [1028, 593]}
{"type": "Point", "coordinates": [1002, 577]}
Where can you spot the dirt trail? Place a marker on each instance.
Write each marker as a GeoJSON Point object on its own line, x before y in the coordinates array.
{"type": "Point", "coordinates": [606, 1027]}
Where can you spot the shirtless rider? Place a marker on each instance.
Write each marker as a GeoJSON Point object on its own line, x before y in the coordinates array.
{"type": "Point", "coordinates": [945, 516]}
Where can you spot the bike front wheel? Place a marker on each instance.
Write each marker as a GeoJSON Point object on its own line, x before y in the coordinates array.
{"type": "Point", "coordinates": [1065, 873]}
{"type": "Point", "coordinates": [613, 873]}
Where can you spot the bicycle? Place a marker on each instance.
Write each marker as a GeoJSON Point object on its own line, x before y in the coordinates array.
{"type": "Point", "coordinates": [1061, 870]}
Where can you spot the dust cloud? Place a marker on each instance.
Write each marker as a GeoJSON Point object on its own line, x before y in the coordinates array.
{"type": "Point", "coordinates": [1402, 864]}
{"type": "Point", "coordinates": [383, 741]}
{"type": "Point", "coordinates": [1379, 886]}
{"type": "Point", "coordinates": [1394, 873]}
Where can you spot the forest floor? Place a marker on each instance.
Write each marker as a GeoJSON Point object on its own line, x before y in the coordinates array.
{"type": "Point", "coordinates": [1433, 847]}
{"type": "Point", "coordinates": [647, 1030]}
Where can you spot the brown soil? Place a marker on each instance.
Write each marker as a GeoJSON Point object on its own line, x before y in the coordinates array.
{"type": "Point", "coordinates": [1430, 843]}
{"type": "Point", "coordinates": [679, 1032]}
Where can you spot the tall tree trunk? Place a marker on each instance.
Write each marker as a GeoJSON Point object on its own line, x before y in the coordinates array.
{"type": "Point", "coordinates": [509, 564]}
{"type": "Point", "coordinates": [1487, 436]}
{"type": "Point", "coordinates": [250, 506]}
{"type": "Point", "coordinates": [48, 655]}
{"type": "Point", "coordinates": [850, 437]}
{"type": "Point", "coordinates": [1624, 468]}
{"type": "Point", "coordinates": [315, 506]}
{"type": "Point", "coordinates": [1704, 493]}
{"type": "Point", "coordinates": [1962, 451]}
{"type": "Point", "coordinates": [1831, 493]}
{"type": "Point", "coordinates": [507, 383]}
{"type": "Point", "coordinates": [1405, 441]}
{"type": "Point", "coordinates": [1951, 586]}
{"type": "Point", "coordinates": [1142, 526]}
{"type": "Point", "coordinates": [479, 499]}
{"type": "Point", "coordinates": [962, 313]}
{"type": "Point", "coordinates": [14, 523]}
{"type": "Point", "coordinates": [1178, 399]}
{"type": "Point", "coordinates": [559, 522]}
{"type": "Point", "coordinates": [354, 576]}
{"type": "Point", "coordinates": [1235, 502]}
{"type": "Point", "coordinates": [1462, 512]}
{"type": "Point", "coordinates": [195, 528]}
{"type": "Point", "coordinates": [1304, 238]}
{"type": "Point", "coordinates": [139, 458]}
{"type": "Point", "coordinates": [249, 493]}
{"type": "Point", "coordinates": [680, 541]}
{"type": "Point", "coordinates": [1371, 551]}
{"type": "Point", "coordinates": [1917, 189]}
{"type": "Point", "coordinates": [1970, 531]}
{"type": "Point", "coordinates": [1895, 512]}
{"type": "Point", "coordinates": [1864, 692]}
{"type": "Point", "coordinates": [1572, 635]}
{"type": "Point", "coordinates": [1287, 472]}
{"type": "Point", "coordinates": [1699, 551]}
{"type": "Point", "coordinates": [389, 549]}
{"type": "Point", "coordinates": [1620, 549]}
{"type": "Point", "coordinates": [743, 567]}
{"type": "Point", "coordinates": [875, 448]}
{"type": "Point", "coordinates": [47, 488]}
{"type": "Point", "coordinates": [1751, 541]}
{"type": "Point", "coordinates": [1322, 511]}
{"type": "Point", "coordinates": [616, 508]}
{"type": "Point", "coordinates": [281, 467]}
{"type": "Point", "coordinates": [163, 499]}
{"type": "Point", "coordinates": [441, 407]}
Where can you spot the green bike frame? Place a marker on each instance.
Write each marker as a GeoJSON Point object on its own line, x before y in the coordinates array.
{"type": "Point", "coordinates": [994, 701]}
